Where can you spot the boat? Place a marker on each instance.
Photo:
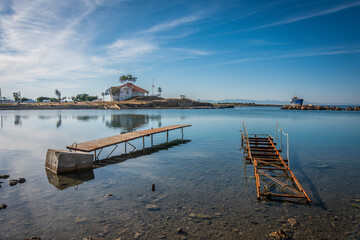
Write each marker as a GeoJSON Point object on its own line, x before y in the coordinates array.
{"type": "Point", "coordinates": [296, 101]}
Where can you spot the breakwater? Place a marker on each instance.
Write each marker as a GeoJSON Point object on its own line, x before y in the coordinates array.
{"type": "Point", "coordinates": [317, 107]}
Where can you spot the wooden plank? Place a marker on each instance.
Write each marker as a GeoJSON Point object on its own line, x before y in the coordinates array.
{"type": "Point", "coordinates": [113, 140]}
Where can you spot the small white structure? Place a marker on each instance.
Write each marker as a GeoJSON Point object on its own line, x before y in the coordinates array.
{"type": "Point", "coordinates": [126, 91]}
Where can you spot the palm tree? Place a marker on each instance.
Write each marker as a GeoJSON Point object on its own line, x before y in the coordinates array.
{"type": "Point", "coordinates": [58, 94]}
{"type": "Point", "coordinates": [127, 78]}
{"type": "Point", "coordinates": [159, 91]}
{"type": "Point", "coordinates": [103, 96]}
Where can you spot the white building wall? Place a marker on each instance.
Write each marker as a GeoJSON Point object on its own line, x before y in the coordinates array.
{"type": "Point", "coordinates": [138, 94]}
{"type": "Point", "coordinates": [125, 93]}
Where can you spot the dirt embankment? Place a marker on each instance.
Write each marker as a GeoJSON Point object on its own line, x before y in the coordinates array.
{"type": "Point", "coordinates": [135, 103]}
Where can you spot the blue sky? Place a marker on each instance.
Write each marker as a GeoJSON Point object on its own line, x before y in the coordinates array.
{"type": "Point", "coordinates": [204, 49]}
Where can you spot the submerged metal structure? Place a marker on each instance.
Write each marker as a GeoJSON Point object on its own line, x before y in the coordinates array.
{"type": "Point", "coordinates": [273, 175]}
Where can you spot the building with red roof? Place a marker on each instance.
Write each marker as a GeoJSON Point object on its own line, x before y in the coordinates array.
{"type": "Point", "coordinates": [126, 91]}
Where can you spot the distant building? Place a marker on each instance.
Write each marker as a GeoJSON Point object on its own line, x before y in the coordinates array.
{"type": "Point", "coordinates": [126, 91]}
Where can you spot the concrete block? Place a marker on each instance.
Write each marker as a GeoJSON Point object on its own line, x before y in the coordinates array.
{"type": "Point", "coordinates": [61, 161]}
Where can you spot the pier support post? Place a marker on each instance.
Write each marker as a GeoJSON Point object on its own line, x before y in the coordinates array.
{"type": "Point", "coordinates": [125, 147]}
{"type": "Point", "coordinates": [167, 135]}
{"type": "Point", "coordinates": [143, 144]}
{"type": "Point", "coordinates": [152, 143]}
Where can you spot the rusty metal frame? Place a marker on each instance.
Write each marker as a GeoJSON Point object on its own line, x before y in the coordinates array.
{"type": "Point", "coordinates": [273, 176]}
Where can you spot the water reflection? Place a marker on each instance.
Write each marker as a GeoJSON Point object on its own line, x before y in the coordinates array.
{"type": "Point", "coordinates": [58, 123]}
{"type": "Point", "coordinates": [17, 120]}
{"type": "Point", "coordinates": [141, 152]}
{"type": "Point", "coordinates": [86, 118]}
{"type": "Point", "coordinates": [131, 122]}
{"type": "Point", "coordinates": [63, 181]}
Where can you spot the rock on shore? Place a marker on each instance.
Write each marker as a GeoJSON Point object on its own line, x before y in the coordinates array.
{"type": "Point", "coordinates": [317, 107]}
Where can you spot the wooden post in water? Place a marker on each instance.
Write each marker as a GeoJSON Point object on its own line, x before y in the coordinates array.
{"type": "Point", "coordinates": [152, 140]}
{"type": "Point", "coordinates": [125, 147]}
{"type": "Point", "coordinates": [167, 135]}
{"type": "Point", "coordinates": [143, 144]}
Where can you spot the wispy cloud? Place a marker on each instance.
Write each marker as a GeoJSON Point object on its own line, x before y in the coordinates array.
{"type": "Point", "coordinates": [339, 50]}
{"type": "Point", "coordinates": [296, 18]}
{"type": "Point", "coordinates": [174, 23]}
{"type": "Point", "coordinates": [41, 39]}
{"type": "Point", "coordinates": [309, 15]}
{"type": "Point", "coordinates": [45, 41]}
{"type": "Point", "coordinates": [129, 49]}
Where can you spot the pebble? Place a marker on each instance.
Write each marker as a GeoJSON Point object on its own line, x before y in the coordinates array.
{"type": "Point", "coordinates": [179, 230]}
{"type": "Point", "coordinates": [88, 238]}
{"type": "Point", "coordinates": [152, 207]}
{"type": "Point", "coordinates": [280, 234]}
{"type": "Point", "coordinates": [108, 195]}
{"type": "Point", "coordinates": [192, 215]}
{"type": "Point", "coordinates": [33, 238]}
{"type": "Point", "coordinates": [80, 220]}
{"type": "Point", "coordinates": [293, 222]}
{"type": "Point", "coordinates": [202, 216]}
{"type": "Point", "coordinates": [137, 235]}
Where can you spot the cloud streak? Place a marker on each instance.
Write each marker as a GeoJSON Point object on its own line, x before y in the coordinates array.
{"type": "Point", "coordinates": [302, 54]}
{"type": "Point", "coordinates": [174, 23]}
{"type": "Point", "coordinates": [310, 15]}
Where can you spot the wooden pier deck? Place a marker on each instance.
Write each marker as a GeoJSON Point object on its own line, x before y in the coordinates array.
{"type": "Point", "coordinates": [101, 143]}
{"type": "Point", "coordinates": [272, 174]}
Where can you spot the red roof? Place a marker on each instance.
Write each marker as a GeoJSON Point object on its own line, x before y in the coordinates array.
{"type": "Point", "coordinates": [134, 88]}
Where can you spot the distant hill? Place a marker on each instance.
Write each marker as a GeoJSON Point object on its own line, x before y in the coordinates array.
{"type": "Point", "coordinates": [275, 102]}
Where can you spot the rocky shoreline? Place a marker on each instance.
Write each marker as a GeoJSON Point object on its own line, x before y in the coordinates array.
{"type": "Point", "coordinates": [317, 107]}
{"type": "Point", "coordinates": [137, 103]}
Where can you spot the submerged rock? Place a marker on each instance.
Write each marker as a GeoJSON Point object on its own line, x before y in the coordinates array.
{"type": "Point", "coordinates": [33, 238]}
{"type": "Point", "coordinates": [4, 176]}
{"type": "Point", "coordinates": [13, 182]}
{"type": "Point", "coordinates": [88, 238]}
{"type": "Point", "coordinates": [3, 206]}
{"type": "Point", "coordinates": [202, 216]}
{"type": "Point", "coordinates": [152, 207]}
{"type": "Point", "coordinates": [280, 234]}
{"type": "Point", "coordinates": [293, 222]}
{"type": "Point", "coordinates": [22, 180]}
{"type": "Point", "coordinates": [81, 219]}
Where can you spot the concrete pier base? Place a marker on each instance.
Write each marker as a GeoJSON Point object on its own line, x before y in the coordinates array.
{"type": "Point", "coordinates": [61, 161]}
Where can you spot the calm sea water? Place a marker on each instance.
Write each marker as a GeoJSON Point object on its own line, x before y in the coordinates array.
{"type": "Point", "coordinates": [205, 176]}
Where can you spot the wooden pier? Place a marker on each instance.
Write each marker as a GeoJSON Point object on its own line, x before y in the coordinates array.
{"type": "Point", "coordinates": [100, 144]}
{"type": "Point", "coordinates": [272, 173]}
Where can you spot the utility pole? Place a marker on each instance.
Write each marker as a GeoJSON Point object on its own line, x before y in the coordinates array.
{"type": "Point", "coordinates": [152, 90]}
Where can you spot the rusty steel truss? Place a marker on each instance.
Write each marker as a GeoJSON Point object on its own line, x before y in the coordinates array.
{"type": "Point", "coordinates": [272, 172]}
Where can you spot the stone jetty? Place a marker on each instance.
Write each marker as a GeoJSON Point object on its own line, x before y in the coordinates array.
{"type": "Point", "coordinates": [317, 107]}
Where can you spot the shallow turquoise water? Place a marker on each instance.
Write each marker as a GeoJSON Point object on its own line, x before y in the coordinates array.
{"type": "Point", "coordinates": [206, 175]}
